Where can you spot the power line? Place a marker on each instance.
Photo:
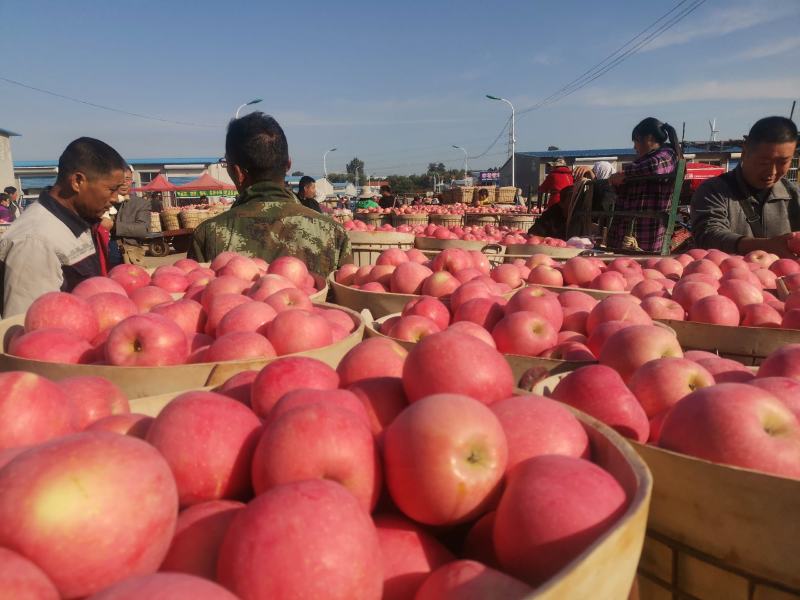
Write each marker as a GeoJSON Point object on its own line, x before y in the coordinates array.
{"type": "Point", "coordinates": [619, 55]}
{"type": "Point", "coordinates": [104, 107]}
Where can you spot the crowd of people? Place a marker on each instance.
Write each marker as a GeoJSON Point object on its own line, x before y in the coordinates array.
{"type": "Point", "coordinates": [89, 220]}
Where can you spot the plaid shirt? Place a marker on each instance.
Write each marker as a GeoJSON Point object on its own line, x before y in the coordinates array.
{"type": "Point", "coordinates": [644, 196]}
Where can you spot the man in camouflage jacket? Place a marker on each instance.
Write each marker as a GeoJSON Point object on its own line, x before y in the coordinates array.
{"type": "Point", "coordinates": [267, 220]}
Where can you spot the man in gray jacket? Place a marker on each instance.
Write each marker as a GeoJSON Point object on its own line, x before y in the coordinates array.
{"type": "Point", "coordinates": [132, 223]}
{"type": "Point", "coordinates": [753, 207]}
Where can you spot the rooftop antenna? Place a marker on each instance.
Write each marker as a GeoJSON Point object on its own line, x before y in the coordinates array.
{"type": "Point", "coordinates": [714, 131]}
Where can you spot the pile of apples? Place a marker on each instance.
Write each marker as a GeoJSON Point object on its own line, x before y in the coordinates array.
{"type": "Point", "coordinates": [396, 475]}
{"type": "Point", "coordinates": [240, 308]}
{"type": "Point", "coordinates": [569, 326]}
{"type": "Point", "coordinates": [701, 286]}
{"type": "Point", "coordinates": [411, 272]}
{"type": "Point", "coordinates": [697, 404]}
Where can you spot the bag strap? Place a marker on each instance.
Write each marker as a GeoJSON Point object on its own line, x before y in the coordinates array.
{"type": "Point", "coordinates": [746, 202]}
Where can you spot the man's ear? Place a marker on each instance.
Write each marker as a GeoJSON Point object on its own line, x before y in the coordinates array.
{"type": "Point", "coordinates": [77, 180]}
{"type": "Point", "coordinates": [239, 174]}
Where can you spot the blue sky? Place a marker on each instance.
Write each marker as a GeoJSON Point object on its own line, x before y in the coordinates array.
{"type": "Point", "coordinates": [393, 83]}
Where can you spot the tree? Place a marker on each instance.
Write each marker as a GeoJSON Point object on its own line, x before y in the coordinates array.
{"type": "Point", "coordinates": [297, 173]}
{"type": "Point", "coordinates": [355, 169]}
{"type": "Point", "coordinates": [437, 168]}
{"type": "Point", "coordinates": [552, 148]}
{"type": "Point", "coordinates": [338, 177]}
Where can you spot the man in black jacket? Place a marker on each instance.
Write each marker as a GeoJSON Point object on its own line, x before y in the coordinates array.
{"type": "Point", "coordinates": [307, 193]}
{"type": "Point", "coordinates": [132, 223]}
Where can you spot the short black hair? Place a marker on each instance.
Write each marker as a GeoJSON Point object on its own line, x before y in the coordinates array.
{"type": "Point", "coordinates": [386, 188]}
{"type": "Point", "coordinates": [257, 144]}
{"type": "Point", "coordinates": [10, 190]}
{"type": "Point", "coordinates": [772, 130]}
{"type": "Point", "coordinates": [90, 156]}
{"type": "Point", "coordinates": [4, 197]}
{"type": "Point", "coordinates": [304, 181]}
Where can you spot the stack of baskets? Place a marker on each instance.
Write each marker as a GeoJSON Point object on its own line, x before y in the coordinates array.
{"type": "Point", "coordinates": [411, 219]}
{"type": "Point", "coordinates": [505, 195]}
{"type": "Point", "coordinates": [190, 219]}
{"type": "Point", "coordinates": [155, 222]}
{"type": "Point", "coordinates": [463, 194]}
{"type": "Point", "coordinates": [447, 220]}
{"type": "Point", "coordinates": [169, 219]}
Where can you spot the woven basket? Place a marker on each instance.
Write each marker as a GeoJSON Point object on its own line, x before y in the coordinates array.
{"type": "Point", "coordinates": [505, 195]}
{"type": "Point", "coordinates": [522, 222]}
{"type": "Point", "coordinates": [169, 220]}
{"type": "Point", "coordinates": [447, 220]}
{"type": "Point", "coordinates": [409, 219]}
{"type": "Point", "coordinates": [190, 219]}
{"type": "Point", "coordinates": [463, 194]}
{"type": "Point", "coordinates": [447, 197]}
{"type": "Point", "coordinates": [376, 219]}
{"type": "Point", "coordinates": [155, 222]}
{"type": "Point", "coordinates": [480, 219]}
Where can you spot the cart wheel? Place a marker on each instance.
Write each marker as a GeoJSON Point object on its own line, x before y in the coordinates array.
{"type": "Point", "coordinates": [159, 247]}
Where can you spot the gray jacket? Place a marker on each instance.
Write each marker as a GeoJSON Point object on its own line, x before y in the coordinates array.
{"type": "Point", "coordinates": [133, 220]}
{"type": "Point", "coordinates": [718, 220]}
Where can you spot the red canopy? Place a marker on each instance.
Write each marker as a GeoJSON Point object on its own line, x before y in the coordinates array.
{"type": "Point", "coordinates": [204, 183]}
{"type": "Point", "coordinates": [159, 184]}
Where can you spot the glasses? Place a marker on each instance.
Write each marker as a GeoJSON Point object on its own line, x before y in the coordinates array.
{"type": "Point", "coordinates": [223, 162]}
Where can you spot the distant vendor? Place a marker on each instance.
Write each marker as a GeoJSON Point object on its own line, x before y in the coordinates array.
{"type": "Point", "coordinates": [753, 207]}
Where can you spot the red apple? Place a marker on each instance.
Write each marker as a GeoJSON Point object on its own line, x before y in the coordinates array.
{"type": "Point", "coordinates": [628, 349]}
{"type": "Point", "coordinates": [413, 328]}
{"type": "Point", "coordinates": [34, 410]}
{"type": "Point", "coordinates": [95, 397]}
{"type": "Point", "coordinates": [440, 284]}
{"type": "Point", "coordinates": [659, 384]}
{"type": "Point", "coordinates": [735, 424]}
{"type": "Point", "coordinates": [208, 462]}
{"type": "Point", "coordinates": [485, 312]}
{"type": "Point", "coordinates": [432, 308]}
{"type": "Point", "coordinates": [663, 308]}
{"type": "Point", "coordinates": [445, 455]}
{"type": "Point", "coordinates": [50, 497]}
{"type": "Point", "coordinates": [131, 424]}
{"type": "Point", "coordinates": [328, 545]}
{"type": "Point", "coordinates": [540, 301]}
{"type": "Point", "coordinates": [146, 341]}
{"type": "Point", "coordinates": [241, 267]}
{"type": "Point", "coordinates": [222, 259]}
{"type": "Point", "coordinates": [165, 585]}
{"type": "Point", "coordinates": [784, 362]}
{"type": "Point", "coordinates": [198, 536]}
{"type": "Point", "coordinates": [760, 315]}
{"type": "Point", "coordinates": [535, 426]}
{"type": "Point", "coordinates": [600, 392]}
{"type": "Point", "coordinates": [787, 390]}
{"type": "Point", "coordinates": [298, 330]}
{"type": "Point", "coordinates": [552, 509]}
{"type": "Point", "coordinates": [291, 268]}
{"type": "Point", "coordinates": [59, 310]}
{"type": "Point", "coordinates": [545, 275]}
{"type": "Point", "coordinates": [98, 285]}
{"type": "Point", "coordinates": [286, 374]}
{"type": "Point", "coordinates": [473, 329]}
{"type": "Point", "coordinates": [611, 281]}
{"type": "Point", "coordinates": [725, 370]}
{"type": "Point", "coordinates": [617, 308]}
{"type": "Point", "coordinates": [173, 282]}
{"type": "Point", "coordinates": [149, 296]}
{"type": "Point", "coordinates": [459, 364]}
{"type": "Point", "coordinates": [130, 277]}
{"type": "Point", "coordinates": [469, 579]}
{"type": "Point", "coordinates": [21, 579]}
{"type": "Point", "coordinates": [408, 277]}
{"type": "Point", "coordinates": [718, 310]}
{"type": "Point", "coordinates": [52, 345]}
{"type": "Point", "coordinates": [580, 271]}
{"type": "Point", "coordinates": [524, 333]}
{"type": "Point", "coordinates": [784, 266]}
{"type": "Point", "coordinates": [111, 308]}
{"type": "Point", "coordinates": [318, 428]}
{"type": "Point", "coordinates": [239, 345]}
{"type": "Point", "coordinates": [741, 292]}
{"type": "Point", "coordinates": [452, 260]}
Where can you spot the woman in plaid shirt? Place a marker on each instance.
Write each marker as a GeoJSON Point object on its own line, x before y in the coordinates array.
{"type": "Point", "coordinates": [658, 152]}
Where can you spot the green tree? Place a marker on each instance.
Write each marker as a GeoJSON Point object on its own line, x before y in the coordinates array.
{"type": "Point", "coordinates": [297, 173]}
{"type": "Point", "coordinates": [338, 177]}
{"type": "Point", "coordinates": [355, 167]}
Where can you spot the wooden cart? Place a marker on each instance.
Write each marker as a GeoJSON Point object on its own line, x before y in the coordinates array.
{"type": "Point", "coordinates": [158, 242]}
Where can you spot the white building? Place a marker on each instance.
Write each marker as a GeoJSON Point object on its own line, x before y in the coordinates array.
{"type": "Point", "coordinates": [6, 161]}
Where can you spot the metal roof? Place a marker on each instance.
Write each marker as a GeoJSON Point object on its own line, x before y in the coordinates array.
{"type": "Point", "coordinates": [8, 133]}
{"type": "Point", "coordinates": [131, 161]}
{"type": "Point", "coordinates": [618, 152]}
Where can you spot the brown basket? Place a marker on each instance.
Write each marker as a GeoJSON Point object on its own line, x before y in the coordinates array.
{"type": "Point", "coordinates": [409, 219]}
{"type": "Point", "coordinates": [480, 219]}
{"type": "Point", "coordinates": [463, 194]}
{"type": "Point", "coordinates": [169, 220]}
{"type": "Point", "coordinates": [155, 222]}
{"type": "Point", "coordinates": [368, 245]}
{"type": "Point", "coordinates": [376, 219]}
{"type": "Point", "coordinates": [447, 220]}
{"type": "Point", "coordinates": [447, 197]}
{"type": "Point", "coordinates": [522, 222]}
{"type": "Point", "coordinates": [505, 195]}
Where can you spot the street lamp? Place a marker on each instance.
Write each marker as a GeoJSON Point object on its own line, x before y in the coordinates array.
{"type": "Point", "coordinates": [324, 163]}
{"type": "Point", "coordinates": [466, 168]}
{"type": "Point", "coordinates": [513, 141]}
{"type": "Point", "coordinates": [253, 101]}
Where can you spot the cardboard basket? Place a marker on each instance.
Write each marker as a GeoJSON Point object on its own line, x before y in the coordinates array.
{"type": "Point", "coordinates": [368, 245]}
{"type": "Point", "coordinates": [150, 381]}
{"type": "Point", "coordinates": [524, 250]}
{"type": "Point", "coordinates": [429, 243]}
{"type": "Point", "coordinates": [748, 345]}
{"type": "Point", "coordinates": [447, 220]}
{"type": "Point", "coordinates": [716, 531]}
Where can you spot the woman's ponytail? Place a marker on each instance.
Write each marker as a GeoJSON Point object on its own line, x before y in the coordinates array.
{"type": "Point", "coordinates": [672, 136]}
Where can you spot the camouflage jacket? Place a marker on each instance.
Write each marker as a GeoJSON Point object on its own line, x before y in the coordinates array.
{"type": "Point", "coordinates": [268, 221]}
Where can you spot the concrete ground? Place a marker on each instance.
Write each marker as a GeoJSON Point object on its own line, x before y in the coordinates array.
{"type": "Point", "coordinates": [151, 262]}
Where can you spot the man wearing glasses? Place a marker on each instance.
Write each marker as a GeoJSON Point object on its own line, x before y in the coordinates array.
{"type": "Point", "coordinates": [267, 220]}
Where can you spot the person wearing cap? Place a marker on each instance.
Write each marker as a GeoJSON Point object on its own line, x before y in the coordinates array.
{"type": "Point", "coordinates": [558, 178]}
{"type": "Point", "coordinates": [131, 224]}
{"type": "Point", "coordinates": [366, 200]}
